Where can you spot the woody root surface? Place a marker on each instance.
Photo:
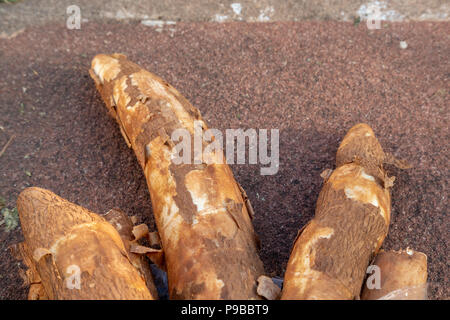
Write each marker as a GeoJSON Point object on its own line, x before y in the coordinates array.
{"type": "Point", "coordinates": [205, 241]}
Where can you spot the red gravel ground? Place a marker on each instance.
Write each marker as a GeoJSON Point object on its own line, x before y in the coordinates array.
{"type": "Point", "coordinates": [311, 80]}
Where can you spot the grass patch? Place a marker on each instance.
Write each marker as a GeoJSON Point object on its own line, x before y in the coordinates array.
{"type": "Point", "coordinates": [10, 219]}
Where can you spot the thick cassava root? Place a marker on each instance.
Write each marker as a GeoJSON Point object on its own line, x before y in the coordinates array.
{"type": "Point", "coordinates": [72, 253]}
{"type": "Point", "coordinates": [202, 214]}
{"type": "Point", "coordinates": [403, 276]}
{"type": "Point", "coordinates": [331, 254]}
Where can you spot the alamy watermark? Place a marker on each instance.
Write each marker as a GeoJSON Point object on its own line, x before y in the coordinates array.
{"type": "Point", "coordinates": [374, 17]}
{"type": "Point", "coordinates": [374, 280]}
{"type": "Point", "coordinates": [372, 13]}
{"type": "Point", "coordinates": [74, 17]}
{"type": "Point", "coordinates": [235, 143]}
{"type": "Point", "coordinates": [73, 280]}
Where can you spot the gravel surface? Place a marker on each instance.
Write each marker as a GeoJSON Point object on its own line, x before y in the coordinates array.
{"type": "Point", "coordinates": [310, 80]}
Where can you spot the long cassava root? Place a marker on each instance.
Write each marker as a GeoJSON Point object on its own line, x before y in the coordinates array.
{"type": "Point", "coordinates": [202, 214]}
{"type": "Point", "coordinates": [72, 253]}
{"type": "Point", "coordinates": [331, 254]}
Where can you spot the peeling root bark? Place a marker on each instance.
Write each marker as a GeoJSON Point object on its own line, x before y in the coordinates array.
{"type": "Point", "coordinates": [65, 242]}
{"type": "Point", "coordinates": [203, 219]}
{"type": "Point", "coordinates": [124, 226]}
{"type": "Point", "coordinates": [403, 276]}
{"type": "Point", "coordinates": [331, 254]}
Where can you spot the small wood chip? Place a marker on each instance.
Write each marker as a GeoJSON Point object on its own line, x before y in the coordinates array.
{"type": "Point", "coordinates": [267, 289]}
{"type": "Point", "coordinates": [39, 253]}
{"type": "Point", "coordinates": [326, 174]}
{"type": "Point", "coordinates": [153, 239]}
{"type": "Point", "coordinates": [136, 248]}
{"type": "Point", "coordinates": [7, 145]}
{"type": "Point", "coordinates": [140, 231]}
{"type": "Point", "coordinates": [155, 255]}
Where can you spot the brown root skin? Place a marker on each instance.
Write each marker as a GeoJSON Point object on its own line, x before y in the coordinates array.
{"type": "Point", "coordinates": [360, 144]}
{"type": "Point", "coordinates": [37, 292]}
{"type": "Point", "coordinates": [63, 240]}
{"type": "Point", "coordinates": [202, 215]}
{"type": "Point", "coordinates": [403, 276]}
{"type": "Point", "coordinates": [330, 256]}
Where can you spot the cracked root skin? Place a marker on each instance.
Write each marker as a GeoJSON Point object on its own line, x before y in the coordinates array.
{"type": "Point", "coordinates": [330, 256]}
{"type": "Point", "coordinates": [200, 211]}
{"type": "Point", "coordinates": [62, 240]}
{"type": "Point", "coordinates": [403, 276]}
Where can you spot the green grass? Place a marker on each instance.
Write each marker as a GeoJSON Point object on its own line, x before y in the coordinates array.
{"type": "Point", "coordinates": [10, 219]}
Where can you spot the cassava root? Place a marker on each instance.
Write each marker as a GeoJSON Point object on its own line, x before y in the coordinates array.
{"type": "Point", "coordinates": [72, 253]}
{"type": "Point", "coordinates": [331, 254]}
{"type": "Point", "coordinates": [403, 276]}
{"type": "Point", "coordinates": [202, 214]}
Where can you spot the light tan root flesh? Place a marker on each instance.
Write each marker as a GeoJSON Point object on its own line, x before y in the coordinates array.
{"type": "Point", "coordinates": [403, 276]}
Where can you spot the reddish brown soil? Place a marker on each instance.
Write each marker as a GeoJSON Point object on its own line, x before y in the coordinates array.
{"type": "Point", "coordinates": [311, 80]}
